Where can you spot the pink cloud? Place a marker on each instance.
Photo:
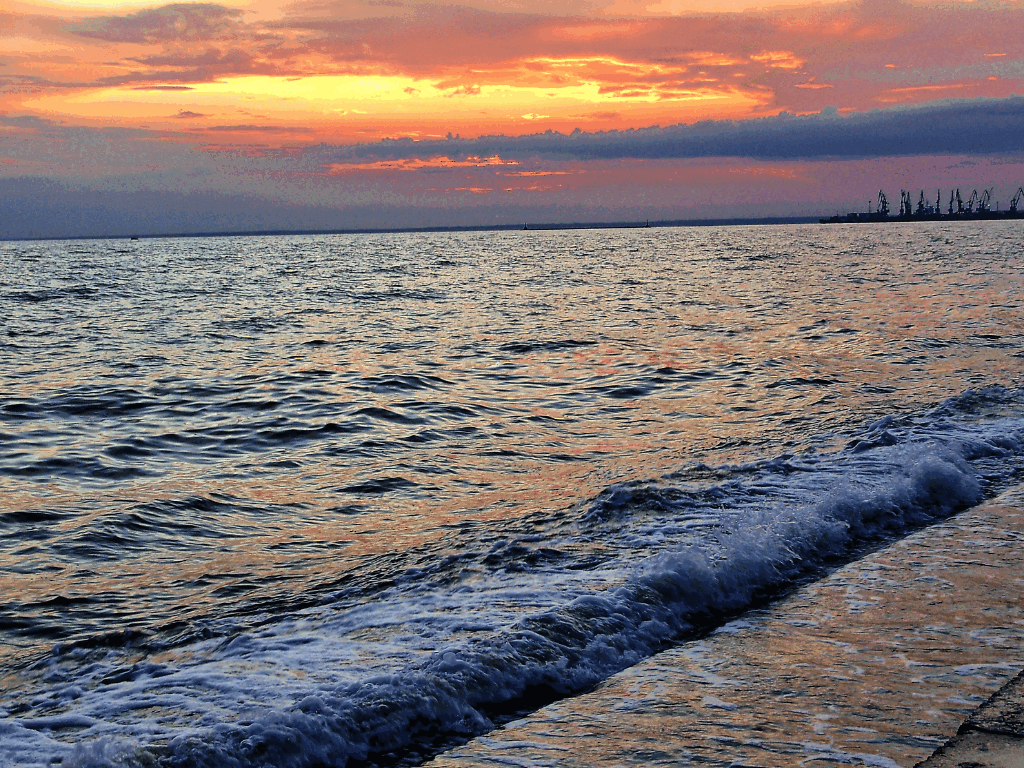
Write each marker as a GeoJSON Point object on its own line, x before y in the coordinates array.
{"type": "Point", "coordinates": [169, 23]}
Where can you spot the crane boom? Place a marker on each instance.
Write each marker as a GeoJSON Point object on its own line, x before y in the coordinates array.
{"type": "Point", "coordinates": [1016, 199]}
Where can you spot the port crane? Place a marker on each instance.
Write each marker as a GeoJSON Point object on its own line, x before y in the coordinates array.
{"type": "Point", "coordinates": [922, 209]}
{"type": "Point", "coordinates": [883, 204]}
{"type": "Point", "coordinates": [972, 201]}
{"type": "Point", "coordinates": [977, 206]}
{"type": "Point", "coordinates": [985, 203]}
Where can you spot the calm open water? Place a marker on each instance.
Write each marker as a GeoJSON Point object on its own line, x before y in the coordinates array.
{"type": "Point", "coordinates": [311, 499]}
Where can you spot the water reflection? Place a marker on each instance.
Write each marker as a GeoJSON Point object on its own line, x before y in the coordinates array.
{"type": "Point", "coordinates": [381, 385]}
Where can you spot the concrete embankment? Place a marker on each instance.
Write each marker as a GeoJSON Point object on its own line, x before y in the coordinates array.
{"type": "Point", "coordinates": [992, 737]}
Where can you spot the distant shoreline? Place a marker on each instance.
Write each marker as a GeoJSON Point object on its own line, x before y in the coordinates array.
{"type": "Point", "coordinates": [530, 227]}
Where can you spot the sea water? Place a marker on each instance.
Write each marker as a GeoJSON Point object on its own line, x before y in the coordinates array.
{"type": "Point", "coordinates": [317, 500]}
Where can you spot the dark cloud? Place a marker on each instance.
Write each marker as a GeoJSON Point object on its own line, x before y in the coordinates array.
{"type": "Point", "coordinates": [427, 38]}
{"type": "Point", "coordinates": [205, 66]}
{"type": "Point", "coordinates": [177, 22]}
{"type": "Point", "coordinates": [211, 57]}
{"type": "Point", "coordinates": [970, 127]}
{"type": "Point", "coordinates": [24, 84]}
{"type": "Point", "coordinates": [26, 121]}
{"type": "Point", "coordinates": [187, 114]}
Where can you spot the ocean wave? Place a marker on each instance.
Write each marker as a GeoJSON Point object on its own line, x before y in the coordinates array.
{"type": "Point", "coordinates": [781, 521]}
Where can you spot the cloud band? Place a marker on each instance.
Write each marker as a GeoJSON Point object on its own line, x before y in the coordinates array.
{"type": "Point", "coordinates": [966, 127]}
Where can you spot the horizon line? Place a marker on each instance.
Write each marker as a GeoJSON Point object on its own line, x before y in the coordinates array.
{"type": "Point", "coordinates": [528, 226]}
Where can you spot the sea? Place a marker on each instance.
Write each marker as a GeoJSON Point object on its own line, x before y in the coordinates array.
{"type": "Point", "coordinates": [730, 496]}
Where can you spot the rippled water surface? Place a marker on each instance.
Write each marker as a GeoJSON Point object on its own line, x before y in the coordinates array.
{"type": "Point", "coordinates": [204, 437]}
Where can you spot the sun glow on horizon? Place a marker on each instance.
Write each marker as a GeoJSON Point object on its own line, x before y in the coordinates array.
{"type": "Point", "coordinates": [559, 93]}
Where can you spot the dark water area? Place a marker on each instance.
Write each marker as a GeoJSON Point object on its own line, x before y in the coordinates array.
{"type": "Point", "coordinates": [296, 464]}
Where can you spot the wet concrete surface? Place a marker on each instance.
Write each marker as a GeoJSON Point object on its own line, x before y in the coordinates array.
{"type": "Point", "coordinates": [992, 737]}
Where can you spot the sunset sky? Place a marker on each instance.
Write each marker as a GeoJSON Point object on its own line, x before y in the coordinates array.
{"type": "Point", "coordinates": [120, 117]}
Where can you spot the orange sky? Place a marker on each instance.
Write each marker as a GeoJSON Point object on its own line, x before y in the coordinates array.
{"type": "Point", "coordinates": [210, 96]}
